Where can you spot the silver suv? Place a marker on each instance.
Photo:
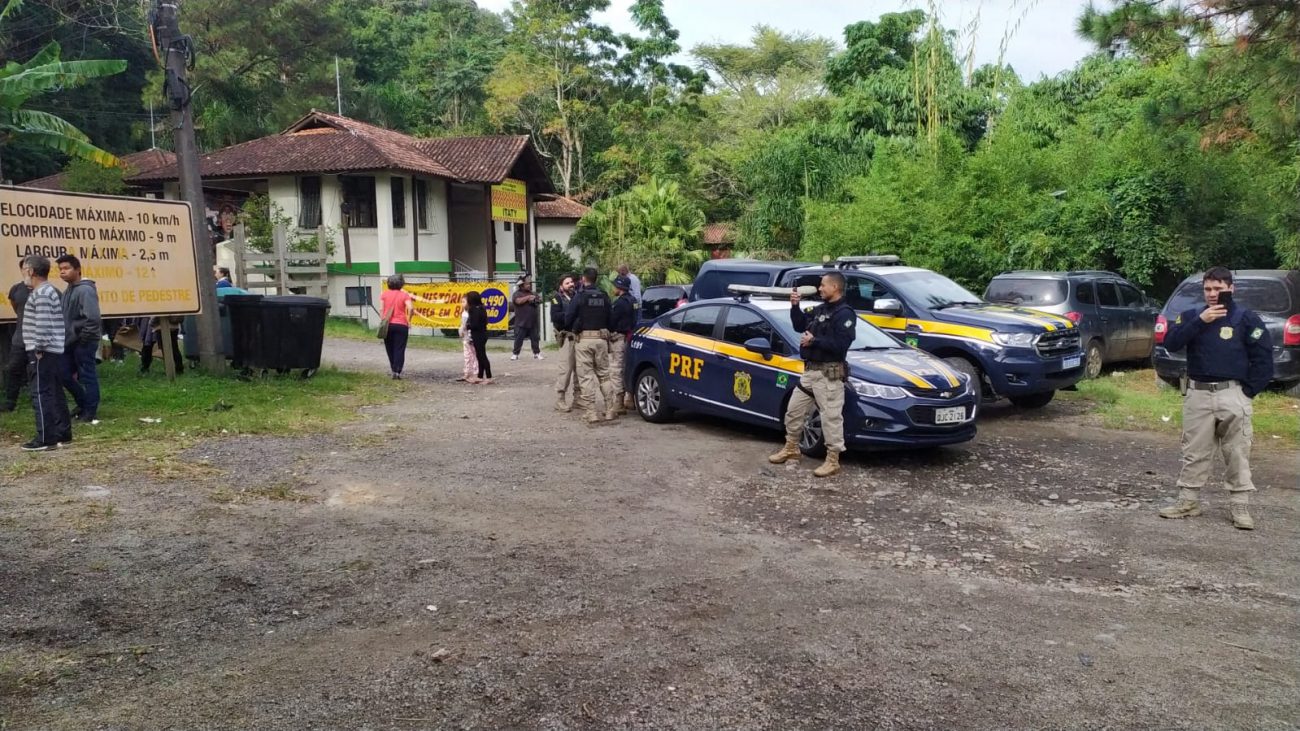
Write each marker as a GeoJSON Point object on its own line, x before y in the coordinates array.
{"type": "Point", "coordinates": [1116, 320]}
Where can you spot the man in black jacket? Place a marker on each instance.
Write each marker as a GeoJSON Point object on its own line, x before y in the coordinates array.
{"type": "Point", "coordinates": [559, 304]}
{"type": "Point", "coordinates": [81, 312]}
{"type": "Point", "coordinates": [525, 321]}
{"type": "Point", "coordinates": [828, 332]}
{"type": "Point", "coordinates": [15, 372]}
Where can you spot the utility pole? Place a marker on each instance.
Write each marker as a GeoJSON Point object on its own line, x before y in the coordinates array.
{"type": "Point", "coordinates": [178, 57]}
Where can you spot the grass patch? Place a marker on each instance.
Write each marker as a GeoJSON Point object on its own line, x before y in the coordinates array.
{"type": "Point", "coordinates": [1131, 400]}
{"type": "Point", "coordinates": [193, 407]}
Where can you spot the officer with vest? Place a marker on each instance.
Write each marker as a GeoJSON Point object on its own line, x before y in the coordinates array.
{"type": "Point", "coordinates": [589, 318]}
{"type": "Point", "coordinates": [828, 332]}
{"type": "Point", "coordinates": [622, 321]}
{"type": "Point", "coordinates": [1229, 362]}
{"type": "Point", "coordinates": [559, 306]}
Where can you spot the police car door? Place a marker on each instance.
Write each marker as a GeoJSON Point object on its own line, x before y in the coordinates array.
{"type": "Point", "coordinates": [687, 361]}
{"type": "Point", "coordinates": [757, 386]}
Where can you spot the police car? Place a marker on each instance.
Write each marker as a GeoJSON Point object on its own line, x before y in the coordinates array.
{"type": "Point", "coordinates": [738, 358]}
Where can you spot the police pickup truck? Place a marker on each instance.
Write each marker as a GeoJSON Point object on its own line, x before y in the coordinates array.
{"type": "Point", "coordinates": [1019, 353]}
{"type": "Point", "coordinates": [738, 358]}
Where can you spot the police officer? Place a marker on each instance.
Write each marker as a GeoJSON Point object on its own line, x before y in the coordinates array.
{"type": "Point", "coordinates": [1229, 361]}
{"type": "Point", "coordinates": [589, 316]}
{"type": "Point", "coordinates": [559, 305]}
{"type": "Point", "coordinates": [828, 332]}
{"type": "Point", "coordinates": [622, 320]}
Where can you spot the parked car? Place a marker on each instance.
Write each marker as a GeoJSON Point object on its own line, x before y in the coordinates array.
{"type": "Point", "coordinates": [738, 358]}
{"type": "Point", "coordinates": [1014, 352]}
{"type": "Point", "coordinates": [1116, 319]}
{"type": "Point", "coordinates": [717, 274]}
{"type": "Point", "coordinates": [661, 298]}
{"type": "Point", "coordinates": [1273, 293]}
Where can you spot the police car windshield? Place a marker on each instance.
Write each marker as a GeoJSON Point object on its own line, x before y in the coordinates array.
{"type": "Point", "coordinates": [868, 337]}
{"type": "Point", "coordinates": [935, 291]}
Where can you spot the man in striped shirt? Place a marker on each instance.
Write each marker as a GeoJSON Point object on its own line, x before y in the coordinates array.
{"type": "Point", "coordinates": [44, 335]}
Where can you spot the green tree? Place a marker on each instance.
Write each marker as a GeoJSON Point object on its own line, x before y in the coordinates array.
{"type": "Point", "coordinates": [653, 228]}
{"type": "Point", "coordinates": [45, 73]}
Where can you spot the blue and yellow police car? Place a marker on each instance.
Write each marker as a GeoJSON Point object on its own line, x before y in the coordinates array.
{"type": "Point", "coordinates": [738, 358]}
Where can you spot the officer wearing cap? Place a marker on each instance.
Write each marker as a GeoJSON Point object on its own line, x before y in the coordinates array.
{"type": "Point", "coordinates": [1229, 361]}
{"type": "Point", "coordinates": [828, 332]}
{"type": "Point", "coordinates": [589, 317]}
{"type": "Point", "coordinates": [622, 320]}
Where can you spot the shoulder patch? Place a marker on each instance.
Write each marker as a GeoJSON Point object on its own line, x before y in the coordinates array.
{"type": "Point", "coordinates": [1257, 333]}
{"type": "Point", "coordinates": [849, 322]}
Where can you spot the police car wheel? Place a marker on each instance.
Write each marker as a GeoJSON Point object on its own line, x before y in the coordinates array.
{"type": "Point", "coordinates": [812, 441]}
{"type": "Point", "coordinates": [650, 397]}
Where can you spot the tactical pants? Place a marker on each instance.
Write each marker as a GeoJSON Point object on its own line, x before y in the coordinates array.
{"type": "Point", "coordinates": [567, 364]}
{"type": "Point", "coordinates": [827, 395]}
{"type": "Point", "coordinates": [1216, 421]}
{"type": "Point", "coordinates": [617, 357]}
{"type": "Point", "coordinates": [592, 356]}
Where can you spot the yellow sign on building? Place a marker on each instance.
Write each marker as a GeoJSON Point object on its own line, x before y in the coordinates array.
{"type": "Point", "coordinates": [139, 251]}
{"type": "Point", "coordinates": [510, 201]}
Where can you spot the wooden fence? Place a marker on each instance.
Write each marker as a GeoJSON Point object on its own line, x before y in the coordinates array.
{"type": "Point", "coordinates": [281, 270]}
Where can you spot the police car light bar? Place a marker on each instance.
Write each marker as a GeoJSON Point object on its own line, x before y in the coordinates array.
{"type": "Point", "coordinates": [746, 290]}
{"type": "Point", "coordinates": [875, 259]}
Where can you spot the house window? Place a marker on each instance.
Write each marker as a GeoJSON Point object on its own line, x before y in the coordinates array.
{"type": "Point", "coordinates": [399, 202]}
{"type": "Point", "coordinates": [309, 202]}
{"type": "Point", "coordinates": [422, 203]}
{"type": "Point", "coordinates": [359, 201]}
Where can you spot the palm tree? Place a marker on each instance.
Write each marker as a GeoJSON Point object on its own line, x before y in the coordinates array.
{"type": "Point", "coordinates": [653, 228]}
{"type": "Point", "coordinates": [44, 73]}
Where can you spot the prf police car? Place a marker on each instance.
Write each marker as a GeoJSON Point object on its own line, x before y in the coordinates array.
{"type": "Point", "coordinates": [1022, 354]}
{"type": "Point", "coordinates": [739, 358]}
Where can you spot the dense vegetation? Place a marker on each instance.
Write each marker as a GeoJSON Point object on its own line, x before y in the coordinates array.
{"type": "Point", "coordinates": [1174, 146]}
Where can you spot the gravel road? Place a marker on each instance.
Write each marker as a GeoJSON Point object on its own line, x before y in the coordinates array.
{"type": "Point", "coordinates": [465, 557]}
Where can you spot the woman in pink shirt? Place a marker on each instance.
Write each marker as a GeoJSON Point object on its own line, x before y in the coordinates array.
{"type": "Point", "coordinates": [395, 304]}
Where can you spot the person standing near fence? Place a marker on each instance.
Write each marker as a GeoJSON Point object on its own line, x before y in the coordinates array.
{"type": "Point", "coordinates": [477, 324]}
{"type": "Point", "coordinates": [44, 337]}
{"type": "Point", "coordinates": [395, 305]}
{"type": "Point", "coordinates": [622, 320]}
{"type": "Point", "coordinates": [527, 325]}
{"type": "Point", "coordinates": [567, 374]}
{"type": "Point", "coordinates": [81, 314]}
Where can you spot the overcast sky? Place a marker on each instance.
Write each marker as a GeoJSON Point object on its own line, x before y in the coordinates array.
{"type": "Point", "coordinates": [1042, 39]}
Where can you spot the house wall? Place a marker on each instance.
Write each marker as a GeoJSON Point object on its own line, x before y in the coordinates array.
{"type": "Point", "coordinates": [559, 230]}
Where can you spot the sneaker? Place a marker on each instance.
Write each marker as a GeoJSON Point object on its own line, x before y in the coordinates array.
{"type": "Point", "coordinates": [64, 442]}
{"type": "Point", "coordinates": [36, 445]}
{"type": "Point", "coordinates": [1241, 518]}
{"type": "Point", "coordinates": [397, 376]}
{"type": "Point", "coordinates": [514, 357]}
{"type": "Point", "coordinates": [86, 419]}
{"type": "Point", "coordinates": [538, 356]}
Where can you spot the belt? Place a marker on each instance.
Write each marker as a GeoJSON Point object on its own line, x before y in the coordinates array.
{"type": "Point", "coordinates": [1212, 386]}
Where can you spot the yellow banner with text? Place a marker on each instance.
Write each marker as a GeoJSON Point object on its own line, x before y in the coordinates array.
{"type": "Point", "coordinates": [439, 304]}
{"type": "Point", "coordinates": [510, 201]}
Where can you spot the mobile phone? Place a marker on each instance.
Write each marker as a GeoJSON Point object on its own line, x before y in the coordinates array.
{"type": "Point", "coordinates": [1225, 298]}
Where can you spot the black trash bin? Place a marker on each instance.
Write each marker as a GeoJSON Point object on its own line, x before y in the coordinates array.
{"type": "Point", "coordinates": [277, 332]}
{"type": "Point", "coordinates": [190, 327]}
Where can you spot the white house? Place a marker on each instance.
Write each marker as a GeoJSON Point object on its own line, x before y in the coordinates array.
{"type": "Point", "coordinates": [557, 218]}
{"type": "Point", "coordinates": [413, 206]}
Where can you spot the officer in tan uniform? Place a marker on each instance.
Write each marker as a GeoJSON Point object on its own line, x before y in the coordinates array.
{"type": "Point", "coordinates": [588, 316]}
{"type": "Point", "coordinates": [622, 321]}
{"type": "Point", "coordinates": [828, 332]}
{"type": "Point", "coordinates": [559, 305]}
{"type": "Point", "coordinates": [1229, 362]}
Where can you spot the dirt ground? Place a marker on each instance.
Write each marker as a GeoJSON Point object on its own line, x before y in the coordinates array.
{"type": "Point", "coordinates": [468, 558]}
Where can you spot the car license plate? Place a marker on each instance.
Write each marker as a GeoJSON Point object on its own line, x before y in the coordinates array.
{"type": "Point", "coordinates": [951, 415]}
{"type": "Point", "coordinates": [1073, 361]}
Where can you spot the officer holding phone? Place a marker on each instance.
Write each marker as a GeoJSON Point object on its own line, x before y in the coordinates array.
{"type": "Point", "coordinates": [1229, 362]}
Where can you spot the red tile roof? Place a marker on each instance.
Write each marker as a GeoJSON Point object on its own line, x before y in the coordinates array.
{"type": "Point", "coordinates": [559, 207]}
{"type": "Point", "coordinates": [323, 142]}
{"type": "Point", "coordinates": [720, 234]}
{"type": "Point", "coordinates": [136, 163]}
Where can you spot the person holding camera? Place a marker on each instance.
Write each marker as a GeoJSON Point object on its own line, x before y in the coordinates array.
{"type": "Point", "coordinates": [1229, 362]}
